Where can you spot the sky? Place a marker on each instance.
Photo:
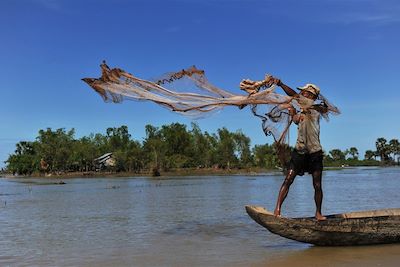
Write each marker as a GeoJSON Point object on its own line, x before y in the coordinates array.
{"type": "Point", "coordinates": [349, 48]}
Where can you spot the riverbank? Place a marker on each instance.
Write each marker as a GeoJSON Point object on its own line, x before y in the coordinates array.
{"type": "Point", "coordinates": [177, 172]}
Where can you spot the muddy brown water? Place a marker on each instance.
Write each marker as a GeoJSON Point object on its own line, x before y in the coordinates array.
{"type": "Point", "coordinates": [182, 221]}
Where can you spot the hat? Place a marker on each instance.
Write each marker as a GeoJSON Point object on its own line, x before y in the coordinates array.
{"type": "Point", "coordinates": [312, 88]}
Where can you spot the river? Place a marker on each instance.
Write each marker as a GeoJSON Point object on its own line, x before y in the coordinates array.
{"type": "Point", "coordinates": [182, 221]}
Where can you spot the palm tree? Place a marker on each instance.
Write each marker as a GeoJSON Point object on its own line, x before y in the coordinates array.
{"type": "Point", "coordinates": [395, 148]}
{"type": "Point", "coordinates": [353, 151]}
{"type": "Point", "coordinates": [383, 149]}
{"type": "Point", "coordinates": [369, 154]}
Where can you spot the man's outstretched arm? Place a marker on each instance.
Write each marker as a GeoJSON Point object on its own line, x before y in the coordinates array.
{"type": "Point", "coordinates": [289, 91]}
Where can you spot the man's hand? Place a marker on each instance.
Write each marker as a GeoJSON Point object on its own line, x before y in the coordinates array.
{"type": "Point", "coordinates": [277, 81]}
{"type": "Point", "coordinates": [289, 91]}
{"type": "Point", "coordinates": [298, 118]}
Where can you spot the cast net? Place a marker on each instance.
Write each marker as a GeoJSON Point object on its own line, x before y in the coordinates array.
{"type": "Point", "coordinates": [188, 92]}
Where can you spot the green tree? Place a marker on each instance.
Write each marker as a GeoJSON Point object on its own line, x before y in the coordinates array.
{"type": "Point", "coordinates": [84, 151]}
{"type": "Point", "coordinates": [369, 155]}
{"type": "Point", "coordinates": [24, 161]}
{"type": "Point", "coordinates": [243, 149]}
{"type": "Point", "coordinates": [264, 156]}
{"type": "Point", "coordinates": [394, 145]}
{"type": "Point", "coordinates": [118, 138]}
{"type": "Point", "coordinates": [101, 143]}
{"type": "Point", "coordinates": [130, 159]}
{"type": "Point", "coordinates": [202, 147]}
{"type": "Point", "coordinates": [212, 142]}
{"type": "Point", "coordinates": [128, 153]}
{"type": "Point", "coordinates": [134, 158]}
{"type": "Point", "coordinates": [383, 149]}
{"type": "Point", "coordinates": [55, 148]}
{"type": "Point", "coordinates": [178, 144]}
{"type": "Point", "coordinates": [153, 149]}
{"type": "Point", "coordinates": [353, 151]}
{"type": "Point", "coordinates": [337, 155]}
{"type": "Point", "coordinates": [226, 149]}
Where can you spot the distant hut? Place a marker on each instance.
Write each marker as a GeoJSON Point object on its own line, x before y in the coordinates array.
{"type": "Point", "coordinates": [105, 161]}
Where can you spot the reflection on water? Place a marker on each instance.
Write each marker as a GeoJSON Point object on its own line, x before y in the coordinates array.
{"type": "Point", "coordinates": [181, 221]}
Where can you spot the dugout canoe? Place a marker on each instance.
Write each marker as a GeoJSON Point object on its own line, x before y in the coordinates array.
{"type": "Point", "coordinates": [346, 229]}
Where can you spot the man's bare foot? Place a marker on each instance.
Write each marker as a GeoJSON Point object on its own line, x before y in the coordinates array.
{"type": "Point", "coordinates": [319, 217]}
{"type": "Point", "coordinates": [277, 213]}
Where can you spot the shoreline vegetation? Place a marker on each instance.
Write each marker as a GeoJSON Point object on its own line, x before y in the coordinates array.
{"type": "Point", "coordinates": [169, 150]}
{"type": "Point", "coordinates": [171, 173]}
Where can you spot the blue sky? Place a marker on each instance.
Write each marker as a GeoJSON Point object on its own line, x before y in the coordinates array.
{"type": "Point", "coordinates": [349, 48]}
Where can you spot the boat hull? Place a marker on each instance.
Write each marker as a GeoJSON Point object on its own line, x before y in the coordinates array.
{"type": "Point", "coordinates": [359, 228]}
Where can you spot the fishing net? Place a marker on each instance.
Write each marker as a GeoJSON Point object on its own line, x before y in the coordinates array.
{"type": "Point", "coordinates": [188, 92]}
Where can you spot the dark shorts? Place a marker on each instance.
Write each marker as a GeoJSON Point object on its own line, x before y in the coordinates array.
{"type": "Point", "coordinates": [307, 162]}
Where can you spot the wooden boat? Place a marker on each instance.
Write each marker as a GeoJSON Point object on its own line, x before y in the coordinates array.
{"type": "Point", "coordinates": [355, 228]}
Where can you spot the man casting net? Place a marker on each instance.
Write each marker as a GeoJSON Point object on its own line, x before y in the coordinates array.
{"type": "Point", "coordinates": [200, 97]}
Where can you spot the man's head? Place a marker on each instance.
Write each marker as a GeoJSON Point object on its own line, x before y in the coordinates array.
{"type": "Point", "coordinates": [311, 91]}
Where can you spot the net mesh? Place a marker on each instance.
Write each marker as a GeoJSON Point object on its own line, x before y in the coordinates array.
{"type": "Point", "coordinates": [188, 92]}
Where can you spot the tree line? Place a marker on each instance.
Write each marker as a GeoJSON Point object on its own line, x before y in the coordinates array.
{"type": "Point", "coordinates": [164, 148]}
{"type": "Point", "coordinates": [388, 153]}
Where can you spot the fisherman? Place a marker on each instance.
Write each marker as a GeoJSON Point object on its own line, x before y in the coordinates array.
{"type": "Point", "coordinates": [307, 155]}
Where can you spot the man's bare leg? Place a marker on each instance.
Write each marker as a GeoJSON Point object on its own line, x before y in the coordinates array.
{"type": "Point", "coordinates": [284, 191]}
{"type": "Point", "coordinates": [317, 179]}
